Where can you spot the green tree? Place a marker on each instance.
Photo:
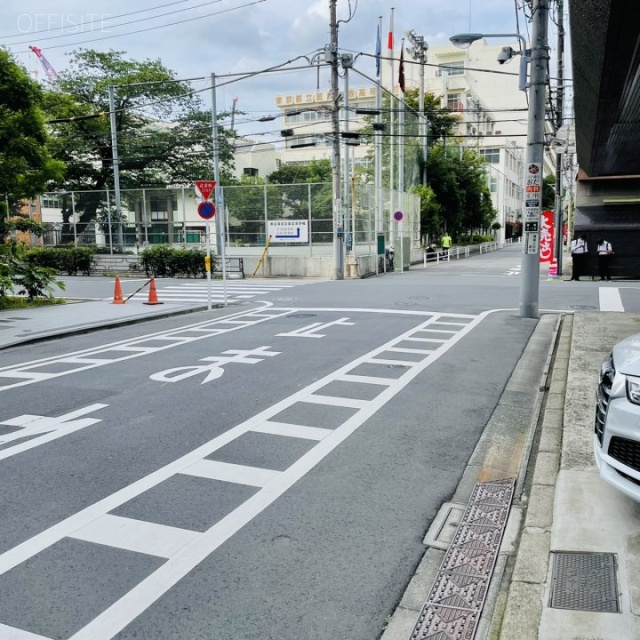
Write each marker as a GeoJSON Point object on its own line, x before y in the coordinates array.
{"type": "Point", "coordinates": [162, 128]}
{"type": "Point", "coordinates": [549, 192]}
{"type": "Point", "coordinates": [245, 203]}
{"type": "Point", "coordinates": [295, 196]}
{"type": "Point", "coordinates": [26, 166]}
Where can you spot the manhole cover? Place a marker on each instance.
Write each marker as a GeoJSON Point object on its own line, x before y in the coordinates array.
{"type": "Point", "coordinates": [304, 315]}
{"type": "Point", "coordinates": [585, 582]}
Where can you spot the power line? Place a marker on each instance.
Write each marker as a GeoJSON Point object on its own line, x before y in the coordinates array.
{"type": "Point", "coordinates": [162, 26]}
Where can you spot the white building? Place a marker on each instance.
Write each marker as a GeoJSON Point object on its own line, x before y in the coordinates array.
{"type": "Point", "coordinates": [470, 82]}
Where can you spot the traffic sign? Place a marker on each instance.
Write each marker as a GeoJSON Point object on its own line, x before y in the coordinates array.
{"type": "Point", "coordinates": [205, 187]}
{"type": "Point", "coordinates": [206, 210]}
{"type": "Point", "coordinates": [398, 216]}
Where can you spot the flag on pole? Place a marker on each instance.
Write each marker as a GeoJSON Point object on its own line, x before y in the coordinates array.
{"type": "Point", "coordinates": [401, 70]}
{"type": "Point", "coordinates": [390, 38]}
{"type": "Point", "coordinates": [378, 52]}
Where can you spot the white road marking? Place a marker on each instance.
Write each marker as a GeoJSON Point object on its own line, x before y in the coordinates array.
{"type": "Point", "coordinates": [53, 428]}
{"type": "Point", "coordinates": [121, 613]}
{"type": "Point", "coordinates": [215, 370]}
{"type": "Point", "coordinates": [610, 299]}
{"type": "Point", "coordinates": [292, 430]}
{"type": "Point", "coordinates": [11, 633]}
{"type": "Point", "coordinates": [310, 331]}
{"type": "Point", "coordinates": [136, 535]}
{"type": "Point", "coordinates": [336, 401]}
{"type": "Point", "coordinates": [227, 472]}
{"type": "Point", "coordinates": [80, 361]}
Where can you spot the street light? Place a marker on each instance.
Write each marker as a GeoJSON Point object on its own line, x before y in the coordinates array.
{"type": "Point", "coordinates": [465, 40]}
{"type": "Point", "coordinates": [539, 57]}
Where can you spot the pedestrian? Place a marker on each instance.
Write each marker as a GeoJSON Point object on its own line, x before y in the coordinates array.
{"type": "Point", "coordinates": [579, 251]}
{"type": "Point", "coordinates": [605, 251]}
{"type": "Point", "coordinates": [445, 243]}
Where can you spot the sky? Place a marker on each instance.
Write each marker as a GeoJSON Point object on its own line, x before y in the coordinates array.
{"type": "Point", "coordinates": [197, 37]}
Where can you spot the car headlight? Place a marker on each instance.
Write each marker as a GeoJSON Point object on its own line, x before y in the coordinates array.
{"type": "Point", "coordinates": [633, 389]}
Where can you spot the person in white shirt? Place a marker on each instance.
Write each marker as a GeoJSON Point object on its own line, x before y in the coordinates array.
{"type": "Point", "coordinates": [579, 251]}
{"type": "Point", "coordinates": [604, 251]}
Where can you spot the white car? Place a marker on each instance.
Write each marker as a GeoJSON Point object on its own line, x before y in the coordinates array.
{"type": "Point", "coordinates": [616, 440]}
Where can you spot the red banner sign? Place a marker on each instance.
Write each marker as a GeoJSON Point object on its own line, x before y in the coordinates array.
{"type": "Point", "coordinates": [547, 236]}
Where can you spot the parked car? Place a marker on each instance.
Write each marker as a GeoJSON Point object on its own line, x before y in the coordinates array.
{"type": "Point", "coordinates": [616, 440]}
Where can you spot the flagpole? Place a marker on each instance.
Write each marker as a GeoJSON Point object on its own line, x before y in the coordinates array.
{"type": "Point", "coordinates": [392, 167]}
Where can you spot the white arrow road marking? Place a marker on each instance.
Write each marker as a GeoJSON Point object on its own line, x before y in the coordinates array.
{"type": "Point", "coordinates": [53, 428]}
{"type": "Point", "coordinates": [214, 370]}
{"type": "Point", "coordinates": [310, 330]}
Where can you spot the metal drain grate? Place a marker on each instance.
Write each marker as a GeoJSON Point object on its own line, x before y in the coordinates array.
{"type": "Point", "coordinates": [585, 582]}
{"type": "Point", "coordinates": [459, 591]}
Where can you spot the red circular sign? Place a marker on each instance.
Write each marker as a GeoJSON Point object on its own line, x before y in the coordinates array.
{"type": "Point", "coordinates": [206, 210]}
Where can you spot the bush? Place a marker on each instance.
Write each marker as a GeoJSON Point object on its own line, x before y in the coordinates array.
{"type": "Point", "coordinates": [71, 260]}
{"type": "Point", "coordinates": [163, 261]}
{"type": "Point", "coordinates": [476, 238]}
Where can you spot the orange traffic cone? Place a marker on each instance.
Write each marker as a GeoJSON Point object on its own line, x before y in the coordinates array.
{"type": "Point", "coordinates": [117, 294]}
{"type": "Point", "coordinates": [153, 295]}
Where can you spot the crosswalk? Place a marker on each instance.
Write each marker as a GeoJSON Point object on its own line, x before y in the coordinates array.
{"type": "Point", "coordinates": [197, 292]}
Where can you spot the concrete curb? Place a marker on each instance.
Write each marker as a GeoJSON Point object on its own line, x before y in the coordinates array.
{"type": "Point", "coordinates": [100, 325]}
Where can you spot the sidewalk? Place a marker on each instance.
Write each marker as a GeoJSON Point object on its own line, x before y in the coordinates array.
{"type": "Point", "coordinates": [570, 509]}
{"type": "Point", "coordinates": [23, 326]}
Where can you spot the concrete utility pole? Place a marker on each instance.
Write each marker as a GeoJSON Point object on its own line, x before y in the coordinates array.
{"type": "Point", "coordinates": [418, 52]}
{"type": "Point", "coordinates": [530, 283]}
{"type": "Point", "coordinates": [559, 218]}
{"type": "Point", "coordinates": [331, 56]}
{"type": "Point", "coordinates": [116, 164]}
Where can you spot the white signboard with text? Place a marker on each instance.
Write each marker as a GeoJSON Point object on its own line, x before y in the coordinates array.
{"type": "Point", "coordinates": [288, 231]}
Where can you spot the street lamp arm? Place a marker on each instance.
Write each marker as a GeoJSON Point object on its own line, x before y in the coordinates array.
{"type": "Point", "coordinates": [464, 40]}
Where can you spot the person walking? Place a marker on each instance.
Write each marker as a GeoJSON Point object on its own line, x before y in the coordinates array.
{"type": "Point", "coordinates": [445, 243]}
{"type": "Point", "coordinates": [579, 250]}
{"type": "Point", "coordinates": [604, 251]}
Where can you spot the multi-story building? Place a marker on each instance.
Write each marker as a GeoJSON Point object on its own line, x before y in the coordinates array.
{"type": "Point", "coordinates": [492, 117]}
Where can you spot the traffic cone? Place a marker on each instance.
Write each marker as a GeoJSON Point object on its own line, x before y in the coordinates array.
{"type": "Point", "coordinates": [117, 294]}
{"type": "Point", "coordinates": [153, 295]}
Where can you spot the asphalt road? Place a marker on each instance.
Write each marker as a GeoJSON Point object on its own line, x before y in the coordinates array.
{"type": "Point", "coordinates": [262, 471]}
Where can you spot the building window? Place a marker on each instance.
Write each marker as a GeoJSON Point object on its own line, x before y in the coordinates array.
{"type": "Point", "coordinates": [250, 171]}
{"type": "Point", "coordinates": [491, 155]}
{"type": "Point", "coordinates": [451, 68]}
{"type": "Point", "coordinates": [493, 183]}
{"type": "Point", "coordinates": [159, 206]}
{"type": "Point", "coordinates": [454, 102]}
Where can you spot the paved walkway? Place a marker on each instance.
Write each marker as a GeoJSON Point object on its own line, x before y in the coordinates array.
{"type": "Point", "coordinates": [20, 326]}
{"type": "Point", "coordinates": [545, 439]}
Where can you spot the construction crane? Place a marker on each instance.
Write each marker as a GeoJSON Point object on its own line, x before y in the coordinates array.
{"type": "Point", "coordinates": [49, 70]}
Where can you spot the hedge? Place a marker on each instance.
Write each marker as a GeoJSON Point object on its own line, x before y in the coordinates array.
{"type": "Point", "coordinates": [71, 260]}
{"type": "Point", "coordinates": [163, 261]}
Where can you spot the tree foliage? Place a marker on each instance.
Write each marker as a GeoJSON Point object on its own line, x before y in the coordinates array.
{"type": "Point", "coordinates": [26, 166]}
{"type": "Point", "coordinates": [163, 131]}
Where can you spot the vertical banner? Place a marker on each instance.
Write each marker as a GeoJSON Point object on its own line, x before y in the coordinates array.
{"type": "Point", "coordinates": [547, 236]}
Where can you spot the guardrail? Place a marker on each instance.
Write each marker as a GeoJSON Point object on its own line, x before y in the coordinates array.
{"type": "Point", "coordinates": [438, 254]}
{"type": "Point", "coordinates": [233, 265]}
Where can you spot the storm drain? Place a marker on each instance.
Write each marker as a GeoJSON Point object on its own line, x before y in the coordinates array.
{"type": "Point", "coordinates": [460, 589]}
{"type": "Point", "coordinates": [585, 582]}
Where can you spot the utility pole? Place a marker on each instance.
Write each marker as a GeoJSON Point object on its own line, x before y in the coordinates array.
{"type": "Point", "coordinates": [331, 56]}
{"type": "Point", "coordinates": [530, 283]}
{"type": "Point", "coordinates": [419, 53]}
{"type": "Point", "coordinates": [116, 163]}
{"type": "Point", "coordinates": [558, 218]}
